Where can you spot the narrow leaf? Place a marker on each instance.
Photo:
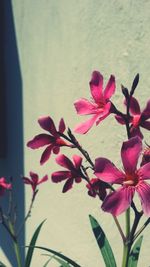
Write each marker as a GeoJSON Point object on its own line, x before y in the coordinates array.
{"type": "Point", "coordinates": [134, 255]}
{"type": "Point", "coordinates": [103, 243]}
{"type": "Point", "coordinates": [63, 263]}
{"type": "Point", "coordinates": [47, 262]}
{"type": "Point", "coordinates": [73, 263]}
{"type": "Point", "coordinates": [2, 264]}
{"type": "Point", "coordinates": [32, 245]}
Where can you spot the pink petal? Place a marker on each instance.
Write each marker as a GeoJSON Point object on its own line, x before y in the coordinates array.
{"type": "Point", "coordinates": [110, 88]}
{"type": "Point", "coordinates": [146, 111]}
{"type": "Point", "coordinates": [130, 153]}
{"type": "Point", "coordinates": [145, 124]}
{"type": "Point", "coordinates": [107, 172]}
{"type": "Point", "coordinates": [8, 186]}
{"type": "Point", "coordinates": [46, 154]}
{"type": "Point", "coordinates": [136, 132]}
{"type": "Point", "coordinates": [63, 161]}
{"type": "Point", "coordinates": [143, 190]}
{"type": "Point", "coordinates": [47, 124]}
{"type": "Point", "coordinates": [68, 185]}
{"type": "Point", "coordinates": [118, 201]}
{"type": "Point", "coordinates": [104, 114]}
{"type": "Point", "coordinates": [134, 106]}
{"type": "Point", "coordinates": [60, 176]}
{"type": "Point", "coordinates": [120, 119]}
{"type": "Point", "coordinates": [84, 107]}
{"type": "Point", "coordinates": [44, 179]}
{"type": "Point", "coordinates": [144, 171]}
{"type": "Point", "coordinates": [34, 177]}
{"type": "Point", "coordinates": [84, 127]}
{"type": "Point", "coordinates": [96, 86]}
{"type": "Point", "coordinates": [39, 141]}
{"type": "Point", "coordinates": [77, 161]}
{"type": "Point", "coordinates": [4, 184]}
{"type": "Point", "coordinates": [62, 126]}
{"type": "Point", "coordinates": [2, 180]}
{"type": "Point", "coordinates": [27, 180]}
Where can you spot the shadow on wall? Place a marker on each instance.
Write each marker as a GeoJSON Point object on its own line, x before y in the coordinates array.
{"type": "Point", "coordinates": [11, 121]}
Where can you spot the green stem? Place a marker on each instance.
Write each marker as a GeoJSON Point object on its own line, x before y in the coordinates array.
{"type": "Point", "coordinates": [125, 255]}
{"type": "Point", "coordinates": [126, 247]}
{"type": "Point", "coordinates": [16, 246]}
{"type": "Point", "coordinates": [119, 228]}
{"type": "Point", "coordinates": [127, 222]}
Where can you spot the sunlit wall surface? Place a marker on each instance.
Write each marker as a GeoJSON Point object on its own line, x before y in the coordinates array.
{"type": "Point", "coordinates": [60, 43]}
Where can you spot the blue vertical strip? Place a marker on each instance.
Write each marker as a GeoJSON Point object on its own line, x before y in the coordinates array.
{"type": "Point", "coordinates": [13, 163]}
{"type": "Point", "coordinates": [2, 87]}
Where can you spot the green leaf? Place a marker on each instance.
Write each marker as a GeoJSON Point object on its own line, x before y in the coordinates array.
{"type": "Point", "coordinates": [47, 262]}
{"type": "Point", "coordinates": [68, 260]}
{"type": "Point", "coordinates": [134, 254]}
{"type": "Point", "coordinates": [63, 263]}
{"type": "Point", "coordinates": [103, 243]}
{"type": "Point", "coordinates": [2, 264]}
{"type": "Point", "coordinates": [32, 245]}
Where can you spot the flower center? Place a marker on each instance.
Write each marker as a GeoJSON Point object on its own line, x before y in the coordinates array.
{"type": "Point", "coordinates": [131, 179]}
{"type": "Point", "coordinates": [60, 142]}
{"type": "Point", "coordinates": [101, 104]}
{"type": "Point", "coordinates": [136, 120]}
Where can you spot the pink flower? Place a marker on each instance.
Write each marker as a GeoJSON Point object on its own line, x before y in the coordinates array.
{"type": "Point", "coordinates": [52, 141]}
{"type": "Point", "coordinates": [132, 179]}
{"type": "Point", "coordinates": [97, 187]}
{"type": "Point", "coordinates": [3, 186]}
{"type": "Point", "coordinates": [138, 118]}
{"type": "Point", "coordinates": [73, 173]}
{"type": "Point", "coordinates": [100, 105]}
{"type": "Point", "coordinates": [34, 180]}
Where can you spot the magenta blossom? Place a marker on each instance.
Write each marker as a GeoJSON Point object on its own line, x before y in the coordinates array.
{"type": "Point", "coordinates": [52, 141]}
{"type": "Point", "coordinates": [138, 118]}
{"type": "Point", "coordinates": [3, 186]}
{"type": "Point", "coordinates": [131, 180]}
{"type": "Point", "coordinates": [97, 187]}
{"type": "Point", "coordinates": [34, 180]}
{"type": "Point", "coordinates": [73, 173]}
{"type": "Point", "coordinates": [100, 105]}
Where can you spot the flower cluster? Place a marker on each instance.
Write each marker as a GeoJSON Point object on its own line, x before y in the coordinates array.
{"type": "Point", "coordinates": [132, 179]}
{"type": "Point", "coordinates": [113, 186]}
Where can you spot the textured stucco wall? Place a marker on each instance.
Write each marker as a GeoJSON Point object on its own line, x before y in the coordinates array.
{"type": "Point", "coordinates": [60, 43]}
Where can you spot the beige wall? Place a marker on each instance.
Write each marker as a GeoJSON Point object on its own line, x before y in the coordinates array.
{"type": "Point", "coordinates": [60, 43]}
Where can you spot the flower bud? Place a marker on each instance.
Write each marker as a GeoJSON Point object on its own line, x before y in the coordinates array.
{"type": "Point", "coordinates": [146, 156]}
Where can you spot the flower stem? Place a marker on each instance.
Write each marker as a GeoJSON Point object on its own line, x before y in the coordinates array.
{"type": "Point", "coordinates": [126, 247]}
{"type": "Point", "coordinates": [127, 222]}
{"type": "Point", "coordinates": [119, 228]}
{"type": "Point", "coordinates": [72, 139]}
{"type": "Point", "coordinates": [141, 229]}
{"type": "Point", "coordinates": [125, 255]}
{"type": "Point", "coordinates": [28, 213]}
{"type": "Point", "coordinates": [16, 246]}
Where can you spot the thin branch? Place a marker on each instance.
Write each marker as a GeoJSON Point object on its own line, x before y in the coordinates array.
{"type": "Point", "coordinates": [28, 213]}
{"type": "Point", "coordinates": [141, 229]}
{"type": "Point", "coordinates": [119, 228]}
